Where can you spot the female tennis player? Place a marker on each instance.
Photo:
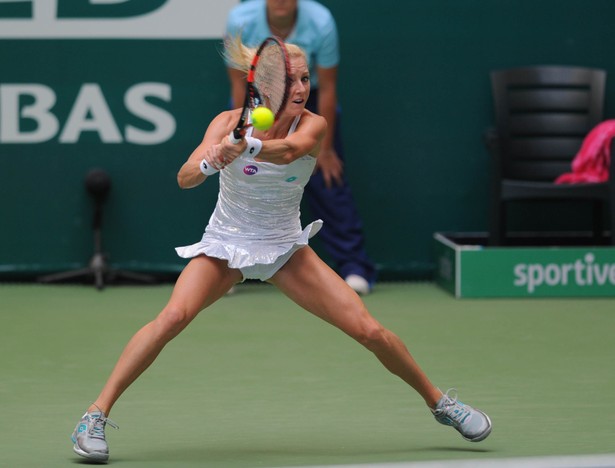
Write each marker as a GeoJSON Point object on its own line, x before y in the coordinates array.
{"type": "Point", "coordinates": [255, 233]}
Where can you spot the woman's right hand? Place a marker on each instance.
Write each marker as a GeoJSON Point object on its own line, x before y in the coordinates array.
{"type": "Point", "coordinates": [227, 151]}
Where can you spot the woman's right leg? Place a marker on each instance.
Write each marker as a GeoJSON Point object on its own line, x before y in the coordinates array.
{"type": "Point", "coordinates": [202, 282]}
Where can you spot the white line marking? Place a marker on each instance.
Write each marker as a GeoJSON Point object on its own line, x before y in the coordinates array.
{"type": "Point", "coordinates": [576, 461]}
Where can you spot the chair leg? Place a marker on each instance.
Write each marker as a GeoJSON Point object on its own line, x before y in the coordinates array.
{"type": "Point", "coordinates": [598, 221]}
{"type": "Point", "coordinates": [611, 213]}
{"type": "Point", "coordinates": [497, 227]}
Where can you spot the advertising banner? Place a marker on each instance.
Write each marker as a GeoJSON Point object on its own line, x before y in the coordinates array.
{"type": "Point", "coordinates": [477, 271]}
{"type": "Point", "coordinates": [123, 85]}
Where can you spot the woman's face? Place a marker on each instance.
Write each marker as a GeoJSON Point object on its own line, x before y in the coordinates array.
{"type": "Point", "coordinates": [299, 86]}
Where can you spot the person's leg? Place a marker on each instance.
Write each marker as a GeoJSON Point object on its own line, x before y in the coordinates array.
{"type": "Point", "coordinates": [342, 234]}
{"type": "Point", "coordinates": [313, 285]}
{"type": "Point", "coordinates": [202, 282]}
{"type": "Point", "coordinates": [309, 282]}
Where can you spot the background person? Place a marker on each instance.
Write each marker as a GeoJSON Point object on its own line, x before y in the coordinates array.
{"type": "Point", "coordinates": [311, 26]}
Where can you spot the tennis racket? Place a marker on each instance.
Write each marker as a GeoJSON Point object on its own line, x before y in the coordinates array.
{"type": "Point", "coordinates": [268, 83]}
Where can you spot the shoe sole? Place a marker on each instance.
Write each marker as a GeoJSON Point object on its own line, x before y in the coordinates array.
{"type": "Point", "coordinates": [95, 457]}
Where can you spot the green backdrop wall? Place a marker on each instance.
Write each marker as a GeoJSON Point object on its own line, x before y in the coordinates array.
{"type": "Point", "coordinates": [416, 100]}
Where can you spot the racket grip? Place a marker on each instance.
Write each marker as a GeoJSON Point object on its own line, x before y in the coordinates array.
{"type": "Point", "coordinates": [235, 137]}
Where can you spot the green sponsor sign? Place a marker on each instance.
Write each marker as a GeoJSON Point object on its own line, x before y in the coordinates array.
{"type": "Point", "coordinates": [478, 271]}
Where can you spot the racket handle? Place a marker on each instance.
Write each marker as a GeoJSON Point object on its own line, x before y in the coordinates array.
{"type": "Point", "coordinates": [235, 137]}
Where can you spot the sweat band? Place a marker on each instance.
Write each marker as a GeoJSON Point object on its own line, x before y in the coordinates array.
{"type": "Point", "coordinates": [254, 146]}
{"type": "Point", "coordinates": [207, 168]}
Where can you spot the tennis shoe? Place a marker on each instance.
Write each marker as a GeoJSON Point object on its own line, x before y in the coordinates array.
{"type": "Point", "coordinates": [472, 424]}
{"type": "Point", "coordinates": [89, 436]}
{"type": "Point", "coordinates": [358, 284]}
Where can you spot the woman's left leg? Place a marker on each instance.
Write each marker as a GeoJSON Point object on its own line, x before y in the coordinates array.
{"type": "Point", "coordinates": [309, 282]}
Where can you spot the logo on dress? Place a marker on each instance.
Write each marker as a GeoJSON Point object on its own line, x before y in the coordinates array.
{"type": "Point", "coordinates": [291, 179]}
{"type": "Point", "coordinates": [250, 170]}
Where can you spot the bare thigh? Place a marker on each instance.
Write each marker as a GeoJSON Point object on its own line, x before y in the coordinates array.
{"type": "Point", "coordinates": [313, 285]}
{"type": "Point", "coordinates": [202, 282]}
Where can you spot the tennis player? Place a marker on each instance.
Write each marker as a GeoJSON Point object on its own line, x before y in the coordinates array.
{"type": "Point", "coordinates": [255, 233]}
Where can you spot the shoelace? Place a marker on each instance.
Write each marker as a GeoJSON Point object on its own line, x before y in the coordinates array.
{"type": "Point", "coordinates": [451, 408]}
{"type": "Point", "coordinates": [97, 430]}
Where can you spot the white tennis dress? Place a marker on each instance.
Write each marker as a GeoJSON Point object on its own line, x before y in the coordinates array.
{"type": "Point", "coordinates": [255, 225]}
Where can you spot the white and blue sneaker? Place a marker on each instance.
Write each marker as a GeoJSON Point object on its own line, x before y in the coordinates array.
{"type": "Point", "coordinates": [89, 436]}
{"type": "Point", "coordinates": [359, 284]}
{"type": "Point", "coordinates": [472, 424]}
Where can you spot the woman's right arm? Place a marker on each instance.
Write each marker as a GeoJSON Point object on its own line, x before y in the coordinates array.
{"type": "Point", "coordinates": [190, 174]}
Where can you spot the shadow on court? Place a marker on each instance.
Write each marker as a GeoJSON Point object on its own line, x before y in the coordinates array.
{"type": "Point", "coordinates": [273, 455]}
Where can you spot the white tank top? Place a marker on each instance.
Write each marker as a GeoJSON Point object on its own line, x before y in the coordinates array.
{"type": "Point", "coordinates": [257, 215]}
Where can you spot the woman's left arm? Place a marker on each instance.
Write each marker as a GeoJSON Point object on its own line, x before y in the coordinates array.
{"type": "Point", "coordinates": [306, 139]}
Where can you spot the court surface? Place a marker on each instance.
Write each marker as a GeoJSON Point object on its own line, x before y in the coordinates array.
{"type": "Point", "coordinates": [257, 382]}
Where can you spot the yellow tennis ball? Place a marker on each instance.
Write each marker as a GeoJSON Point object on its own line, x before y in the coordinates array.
{"type": "Point", "coordinates": [262, 118]}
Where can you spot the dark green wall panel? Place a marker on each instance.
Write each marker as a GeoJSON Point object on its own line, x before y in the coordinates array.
{"type": "Point", "coordinates": [416, 100]}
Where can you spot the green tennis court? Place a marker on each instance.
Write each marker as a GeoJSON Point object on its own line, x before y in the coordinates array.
{"type": "Point", "coordinates": [257, 382]}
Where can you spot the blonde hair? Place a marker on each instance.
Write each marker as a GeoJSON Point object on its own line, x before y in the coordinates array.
{"type": "Point", "coordinates": [239, 56]}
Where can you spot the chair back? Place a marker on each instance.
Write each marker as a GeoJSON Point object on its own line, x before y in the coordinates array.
{"type": "Point", "coordinates": [543, 113]}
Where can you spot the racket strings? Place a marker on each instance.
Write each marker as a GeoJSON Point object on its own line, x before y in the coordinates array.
{"type": "Point", "coordinates": [270, 77]}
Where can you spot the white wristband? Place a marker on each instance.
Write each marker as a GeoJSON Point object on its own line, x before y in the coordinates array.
{"type": "Point", "coordinates": [207, 168]}
{"type": "Point", "coordinates": [254, 146]}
